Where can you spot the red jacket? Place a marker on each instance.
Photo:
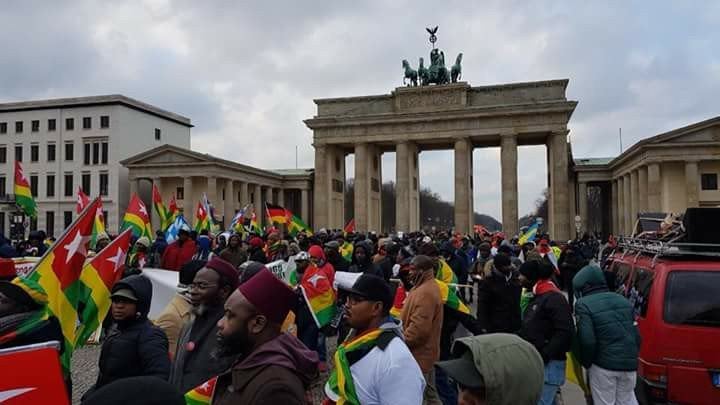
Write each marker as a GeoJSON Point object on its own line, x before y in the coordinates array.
{"type": "Point", "coordinates": [176, 255]}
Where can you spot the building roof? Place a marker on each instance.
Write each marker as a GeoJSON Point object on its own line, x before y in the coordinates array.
{"type": "Point", "coordinates": [592, 161]}
{"type": "Point", "coordinates": [111, 99]}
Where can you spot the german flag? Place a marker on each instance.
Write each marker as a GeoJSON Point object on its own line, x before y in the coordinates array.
{"type": "Point", "coordinates": [98, 277]}
{"type": "Point", "coordinates": [136, 218]}
{"type": "Point", "coordinates": [277, 214]}
{"type": "Point", "coordinates": [23, 195]}
{"type": "Point", "coordinates": [58, 274]}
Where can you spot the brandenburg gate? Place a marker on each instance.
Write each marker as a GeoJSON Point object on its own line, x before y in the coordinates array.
{"type": "Point", "coordinates": [448, 116]}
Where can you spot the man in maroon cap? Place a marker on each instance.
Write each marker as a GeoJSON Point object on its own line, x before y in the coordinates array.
{"type": "Point", "coordinates": [275, 367]}
{"type": "Point", "coordinates": [197, 358]}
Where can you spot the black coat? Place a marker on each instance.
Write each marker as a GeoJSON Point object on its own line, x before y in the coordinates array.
{"type": "Point", "coordinates": [548, 325]}
{"type": "Point", "coordinates": [137, 347]}
{"type": "Point", "coordinates": [386, 266]}
{"type": "Point", "coordinates": [498, 304]}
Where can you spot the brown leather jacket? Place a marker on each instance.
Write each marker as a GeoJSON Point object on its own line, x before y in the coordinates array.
{"type": "Point", "coordinates": [422, 318]}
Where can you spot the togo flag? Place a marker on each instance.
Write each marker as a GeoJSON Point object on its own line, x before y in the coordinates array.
{"type": "Point", "coordinates": [320, 296]}
{"type": "Point", "coordinates": [202, 394]}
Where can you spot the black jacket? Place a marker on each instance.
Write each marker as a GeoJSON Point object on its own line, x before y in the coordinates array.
{"type": "Point", "coordinates": [338, 263]}
{"type": "Point", "coordinates": [386, 266]}
{"type": "Point", "coordinates": [498, 304]}
{"type": "Point", "coordinates": [257, 255]}
{"type": "Point", "coordinates": [137, 347]}
{"type": "Point", "coordinates": [194, 362]}
{"type": "Point", "coordinates": [548, 325]}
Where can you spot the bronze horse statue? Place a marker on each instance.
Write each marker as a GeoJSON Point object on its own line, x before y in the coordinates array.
{"type": "Point", "coordinates": [456, 70]}
{"type": "Point", "coordinates": [423, 74]}
{"type": "Point", "coordinates": [410, 73]}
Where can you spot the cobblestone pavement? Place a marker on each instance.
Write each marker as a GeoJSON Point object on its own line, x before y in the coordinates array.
{"type": "Point", "coordinates": [84, 370]}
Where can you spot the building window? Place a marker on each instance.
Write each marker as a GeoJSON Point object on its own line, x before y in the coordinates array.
{"type": "Point", "coordinates": [96, 153]}
{"type": "Point", "coordinates": [375, 162]}
{"type": "Point", "coordinates": [337, 186]}
{"type": "Point", "coordinates": [68, 185]}
{"type": "Point", "coordinates": [104, 121]}
{"type": "Point", "coordinates": [3, 154]}
{"type": "Point", "coordinates": [67, 218]}
{"type": "Point", "coordinates": [375, 185]}
{"type": "Point", "coordinates": [69, 151]}
{"type": "Point", "coordinates": [2, 222]}
{"type": "Point", "coordinates": [337, 164]}
{"type": "Point", "coordinates": [104, 153]}
{"type": "Point", "coordinates": [69, 124]}
{"type": "Point", "coordinates": [103, 184]}
{"type": "Point", "coordinates": [87, 122]}
{"type": "Point", "coordinates": [3, 127]}
{"type": "Point", "coordinates": [35, 125]}
{"type": "Point", "coordinates": [708, 181]}
{"type": "Point", "coordinates": [105, 217]}
{"type": "Point", "coordinates": [51, 152]}
{"type": "Point", "coordinates": [180, 193]}
{"type": "Point", "coordinates": [158, 134]}
{"type": "Point", "coordinates": [18, 153]}
{"type": "Point", "coordinates": [86, 153]}
{"type": "Point", "coordinates": [50, 185]}
{"type": "Point", "coordinates": [18, 127]}
{"type": "Point", "coordinates": [50, 222]}
{"type": "Point", "coordinates": [33, 224]}
{"type": "Point", "coordinates": [3, 186]}
{"type": "Point", "coordinates": [86, 183]}
{"type": "Point", "coordinates": [34, 153]}
{"type": "Point", "coordinates": [51, 124]}
{"type": "Point", "coordinates": [33, 185]}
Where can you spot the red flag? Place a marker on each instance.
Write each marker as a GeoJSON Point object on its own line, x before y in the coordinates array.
{"type": "Point", "coordinates": [173, 205]}
{"type": "Point", "coordinates": [82, 200]}
{"type": "Point", "coordinates": [350, 227]}
{"type": "Point", "coordinates": [36, 377]}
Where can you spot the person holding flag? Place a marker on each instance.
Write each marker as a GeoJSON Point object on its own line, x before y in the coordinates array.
{"type": "Point", "coordinates": [373, 362]}
{"type": "Point", "coordinates": [179, 252]}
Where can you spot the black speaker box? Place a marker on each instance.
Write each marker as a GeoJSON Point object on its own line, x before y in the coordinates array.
{"type": "Point", "coordinates": [702, 225]}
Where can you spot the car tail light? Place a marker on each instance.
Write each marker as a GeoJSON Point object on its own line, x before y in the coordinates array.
{"type": "Point", "coordinates": [655, 375]}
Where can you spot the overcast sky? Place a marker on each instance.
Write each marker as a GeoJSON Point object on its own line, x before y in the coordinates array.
{"type": "Point", "coordinates": [246, 72]}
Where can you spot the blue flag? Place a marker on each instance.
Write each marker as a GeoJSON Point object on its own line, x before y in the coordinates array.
{"type": "Point", "coordinates": [172, 232]}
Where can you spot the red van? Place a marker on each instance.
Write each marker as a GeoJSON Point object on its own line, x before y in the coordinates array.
{"type": "Point", "coordinates": [675, 291]}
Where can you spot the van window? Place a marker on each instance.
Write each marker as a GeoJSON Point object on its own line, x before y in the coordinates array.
{"type": "Point", "coordinates": [691, 298]}
{"type": "Point", "coordinates": [622, 272]}
{"type": "Point", "coordinates": [639, 294]}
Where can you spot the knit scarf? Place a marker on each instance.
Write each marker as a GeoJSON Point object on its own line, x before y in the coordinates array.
{"type": "Point", "coordinates": [341, 381]}
{"type": "Point", "coordinates": [545, 286]}
{"type": "Point", "coordinates": [19, 325]}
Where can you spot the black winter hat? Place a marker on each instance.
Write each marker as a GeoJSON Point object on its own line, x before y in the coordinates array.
{"type": "Point", "coordinates": [373, 288]}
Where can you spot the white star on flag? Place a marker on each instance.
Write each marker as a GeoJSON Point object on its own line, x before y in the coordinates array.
{"type": "Point", "coordinates": [77, 246]}
{"type": "Point", "coordinates": [205, 386]}
{"type": "Point", "coordinates": [315, 278]}
{"type": "Point", "coordinates": [117, 260]}
{"type": "Point", "coordinates": [143, 209]}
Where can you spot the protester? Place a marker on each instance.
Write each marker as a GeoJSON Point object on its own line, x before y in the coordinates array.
{"type": "Point", "coordinates": [37, 244]}
{"type": "Point", "coordinates": [362, 260]}
{"type": "Point", "coordinates": [308, 331]}
{"type": "Point", "coordinates": [422, 317]}
{"type": "Point", "coordinates": [276, 368]}
{"type": "Point", "coordinates": [608, 340]}
{"type": "Point", "coordinates": [256, 250]}
{"type": "Point", "coordinates": [317, 256]}
{"type": "Point", "coordinates": [179, 310]}
{"type": "Point", "coordinates": [136, 391]}
{"type": "Point", "coordinates": [547, 324]}
{"type": "Point", "coordinates": [204, 245]}
{"type": "Point", "coordinates": [498, 300]}
{"type": "Point", "coordinates": [220, 244]}
{"type": "Point", "coordinates": [495, 369]}
{"type": "Point", "coordinates": [386, 258]}
{"type": "Point", "coordinates": [6, 249]}
{"type": "Point", "coordinates": [138, 258]}
{"type": "Point", "coordinates": [332, 253]}
{"type": "Point", "coordinates": [195, 356]}
{"type": "Point", "coordinates": [157, 249]}
{"type": "Point", "coordinates": [179, 252]}
{"type": "Point", "coordinates": [19, 303]}
{"type": "Point", "coordinates": [378, 359]}
{"type": "Point", "coordinates": [234, 253]}
{"type": "Point", "coordinates": [570, 262]}
{"type": "Point", "coordinates": [134, 346]}
{"type": "Point", "coordinates": [101, 241]}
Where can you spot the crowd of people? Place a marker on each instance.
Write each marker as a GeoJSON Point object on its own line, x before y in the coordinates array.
{"type": "Point", "coordinates": [236, 326]}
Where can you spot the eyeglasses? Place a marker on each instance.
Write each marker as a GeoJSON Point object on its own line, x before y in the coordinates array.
{"type": "Point", "coordinates": [201, 286]}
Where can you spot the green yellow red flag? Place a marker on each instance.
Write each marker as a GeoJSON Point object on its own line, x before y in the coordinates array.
{"type": "Point", "coordinates": [23, 195]}
{"type": "Point", "coordinates": [137, 218]}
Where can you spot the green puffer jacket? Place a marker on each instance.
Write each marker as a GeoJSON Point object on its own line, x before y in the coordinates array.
{"type": "Point", "coordinates": [606, 332]}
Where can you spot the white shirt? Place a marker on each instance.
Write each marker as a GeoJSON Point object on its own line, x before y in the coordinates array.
{"type": "Point", "coordinates": [388, 377]}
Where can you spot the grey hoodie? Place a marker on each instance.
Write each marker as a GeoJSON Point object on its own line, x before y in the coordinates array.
{"type": "Point", "coordinates": [511, 368]}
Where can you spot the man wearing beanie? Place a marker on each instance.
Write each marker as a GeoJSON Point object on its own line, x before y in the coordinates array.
{"type": "Point", "coordinates": [196, 357]}
{"type": "Point", "coordinates": [499, 298]}
{"type": "Point", "coordinates": [276, 368]}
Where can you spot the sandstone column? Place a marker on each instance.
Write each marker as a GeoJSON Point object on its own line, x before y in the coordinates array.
{"type": "Point", "coordinates": [244, 200]}
{"type": "Point", "coordinates": [374, 170]}
{"type": "Point", "coordinates": [614, 204]}
{"type": "Point", "coordinates": [402, 187]}
{"type": "Point", "coordinates": [583, 204]}
{"type": "Point", "coordinates": [621, 206]}
{"type": "Point", "coordinates": [691, 184]}
{"type": "Point", "coordinates": [229, 206]}
{"type": "Point", "coordinates": [155, 218]}
{"type": "Point", "coordinates": [643, 189]}
{"type": "Point", "coordinates": [212, 192]}
{"type": "Point", "coordinates": [508, 174]}
{"type": "Point", "coordinates": [654, 203]}
{"type": "Point", "coordinates": [134, 186]}
{"type": "Point", "coordinates": [321, 187]}
{"type": "Point", "coordinates": [188, 208]}
{"type": "Point", "coordinates": [634, 196]}
{"type": "Point", "coordinates": [362, 187]}
{"type": "Point", "coordinates": [257, 203]}
{"type": "Point", "coordinates": [281, 197]}
{"type": "Point", "coordinates": [463, 186]}
{"type": "Point", "coordinates": [305, 206]}
{"type": "Point", "coordinates": [627, 211]}
{"type": "Point", "coordinates": [559, 187]}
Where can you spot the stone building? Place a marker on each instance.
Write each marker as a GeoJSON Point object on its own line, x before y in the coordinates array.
{"type": "Point", "coordinates": [78, 142]}
{"type": "Point", "coordinates": [668, 172]}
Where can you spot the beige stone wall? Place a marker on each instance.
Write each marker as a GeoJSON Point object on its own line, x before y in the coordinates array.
{"type": "Point", "coordinates": [672, 178]}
